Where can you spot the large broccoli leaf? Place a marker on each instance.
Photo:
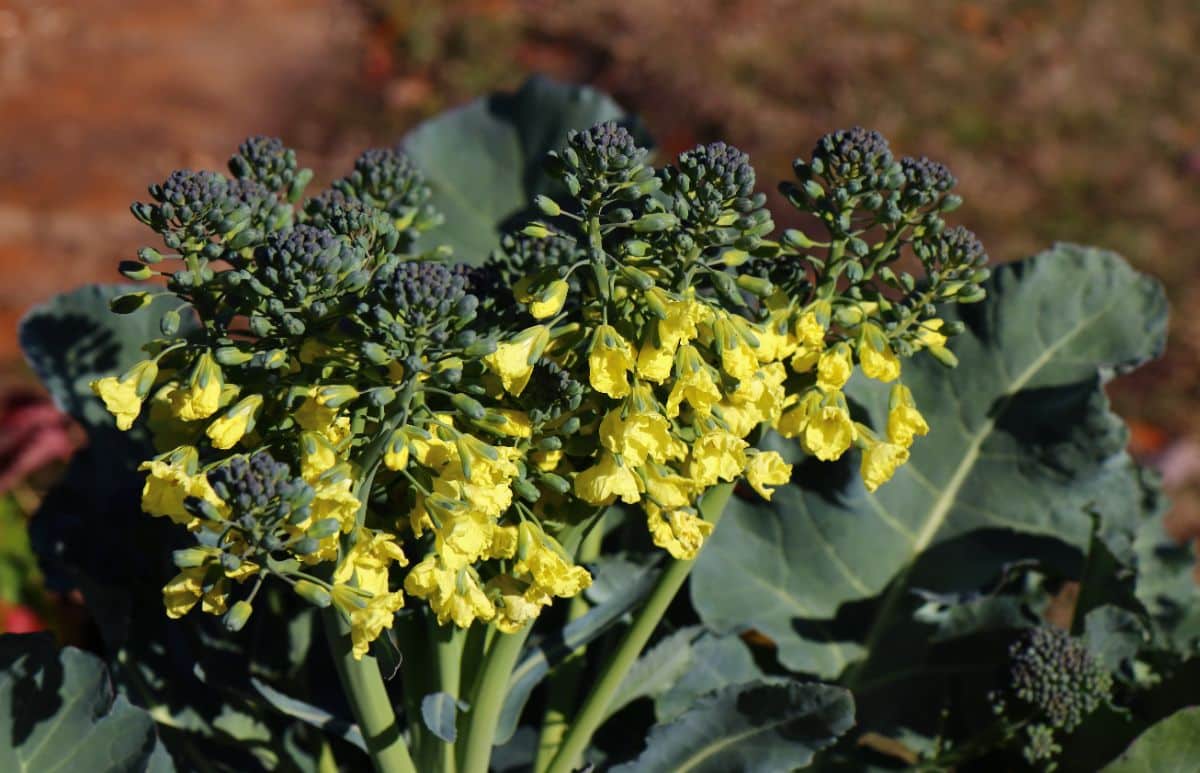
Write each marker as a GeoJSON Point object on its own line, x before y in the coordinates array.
{"type": "Point", "coordinates": [58, 711]}
{"type": "Point", "coordinates": [1022, 443]}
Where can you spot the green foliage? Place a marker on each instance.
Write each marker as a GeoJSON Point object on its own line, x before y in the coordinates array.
{"type": "Point", "coordinates": [1170, 746]}
{"type": "Point", "coordinates": [58, 712]}
{"type": "Point", "coordinates": [758, 727]}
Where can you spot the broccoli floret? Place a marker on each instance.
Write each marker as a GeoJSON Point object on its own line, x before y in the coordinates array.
{"type": "Point", "coordinates": [419, 301]}
{"type": "Point", "coordinates": [265, 160]}
{"type": "Point", "coordinates": [1053, 672]}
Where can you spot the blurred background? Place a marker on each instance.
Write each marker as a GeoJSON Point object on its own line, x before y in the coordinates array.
{"type": "Point", "coordinates": [1063, 120]}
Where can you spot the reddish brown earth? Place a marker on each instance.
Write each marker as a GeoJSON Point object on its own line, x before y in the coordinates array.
{"type": "Point", "coordinates": [98, 98]}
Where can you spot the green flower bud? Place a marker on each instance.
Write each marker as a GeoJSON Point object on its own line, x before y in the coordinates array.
{"type": "Point", "coordinates": [638, 278]}
{"type": "Point", "coordinates": [555, 483]}
{"type": "Point", "coordinates": [654, 222]}
{"type": "Point", "coordinates": [235, 619]}
{"type": "Point", "coordinates": [312, 593]}
{"type": "Point", "coordinates": [526, 490]}
{"type": "Point", "coordinates": [468, 406]}
{"type": "Point", "coordinates": [231, 355]}
{"type": "Point", "coordinates": [189, 558]}
{"type": "Point", "coordinates": [138, 272]}
{"type": "Point", "coordinates": [755, 285]}
{"type": "Point", "coordinates": [326, 527]}
{"type": "Point", "coordinates": [130, 302]}
{"type": "Point", "coordinates": [548, 206]}
{"type": "Point", "coordinates": [150, 255]}
{"type": "Point", "coordinates": [536, 231]}
{"type": "Point", "coordinates": [336, 396]}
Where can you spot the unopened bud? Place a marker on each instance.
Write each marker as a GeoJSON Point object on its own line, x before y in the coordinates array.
{"type": "Point", "coordinates": [548, 206]}
{"type": "Point", "coordinates": [238, 614]}
{"type": "Point", "coordinates": [312, 593]}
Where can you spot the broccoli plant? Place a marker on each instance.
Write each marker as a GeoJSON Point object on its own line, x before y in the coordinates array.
{"type": "Point", "coordinates": [411, 472]}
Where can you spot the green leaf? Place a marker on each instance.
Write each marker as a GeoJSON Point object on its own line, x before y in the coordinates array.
{"type": "Point", "coordinates": [58, 712]}
{"type": "Point", "coordinates": [1022, 441]}
{"type": "Point", "coordinates": [1170, 746]}
{"type": "Point", "coordinates": [484, 160]}
{"type": "Point", "coordinates": [440, 710]}
{"type": "Point", "coordinates": [313, 715]}
{"type": "Point", "coordinates": [656, 670]}
{"type": "Point", "coordinates": [760, 727]}
{"type": "Point", "coordinates": [715, 662]}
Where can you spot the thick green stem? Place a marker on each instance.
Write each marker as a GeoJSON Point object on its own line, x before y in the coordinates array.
{"type": "Point", "coordinates": [487, 700]}
{"type": "Point", "coordinates": [561, 697]}
{"type": "Point", "coordinates": [448, 643]}
{"type": "Point", "coordinates": [364, 688]}
{"type": "Point", "coordinates": [595, 707]}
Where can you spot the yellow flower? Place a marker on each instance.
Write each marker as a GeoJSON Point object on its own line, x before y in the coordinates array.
{"type": "Point", "coordinates": [738, 358]}
{"type": "Point", "coordinates": [879, 463]}
{"type": "Point", "coordinates": [834, 367]}
{"type": "Point", "coordinates": [694, 382]}
{"type": "Point", "coordinates": [904, 420]}
{"type": "Point", "coordinates": [878, 360]}
{"type": "Point", "coordinates": [546, 461]}
{"type": "Point", "coordinates": [677, 326]}
{"type": "Point", "coordinates": [452, 594]}
{"type": "Point", "coordinates": [639, 437]}
{"type": "Point", "coordinates": [513, 360]}
{"type": "Point", "coordinates": [361, 588]}
{"type": "Point", "coordinates": [186, 588]}
{"type": "Point", "coordinates": [226, 431]}
{"type": "Point", "coordinates": [395, 455]}
{"type": "Point", "coordinates": [810, 337]}
{"type": "Point", "coordinates": [366, 564]}
{"type": "Point", "coordinates": [929, 336]}
{"type": "Point", "coordinates": [654, 361]}
{"type": "Point", "coordinates": [506, 421]}
{"type": "Point", "coordinates": [665, 488]}
{"type": "Point", "coordinates": [775, 343]}
{"type": "Point", "coordinates": [767, 468]}
{"type": "Point", "coordinates": [202, 396]}
{"type": "Point", "coordinates": [828, 432]}
{"type": "Point", "coordinates": [755, 400]}
{"type": "Point", "coordinates": [541, 557]}
{"type": "Point", "coordinates": [315, 417]}
{"type": "Point", "coordinates": [717, 455]}
{"type": "Point", "coordinates": [607, 480]}
{"type": "Point", "coordinates": [316, 456]}
{"type": "Point", "coordinates": [172, 480]}
{"type": "Point", "coordinates": [679, 532]}
{"type": "Point", "coordinates": [517, 603]}
{"type": "Point", "coordinates": [609, 362]}
{"type": "Point", "coordinates": [123, 396]}
{"type": "Point", "coordinates": [550, 301]}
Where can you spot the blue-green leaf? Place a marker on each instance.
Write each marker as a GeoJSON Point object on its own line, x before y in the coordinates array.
{"type": "Point", "coordinates": [1170, 746]}
{"type": "Point", "coordinates": [760, 727]}
{"type": "Point", "coordinates": [440, 710]}
{"type": "Point", "coordinates": [58, 711]}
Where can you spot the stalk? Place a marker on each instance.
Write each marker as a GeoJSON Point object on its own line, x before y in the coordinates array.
{"type": "Point", "coordinates": [448, 643]}
{"type": "Point", "coordinates": [595, 707]}
{"type": "Point", "coordinates": [364, 688]}
{"type": "Point", "coordinates": [560, 700]}
{"type": "Point", "coordinates": [488, 699]}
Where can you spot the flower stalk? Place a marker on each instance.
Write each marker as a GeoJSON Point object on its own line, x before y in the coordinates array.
{"type": "Point", "coordinates": [595, 707]}
{"type": "Point", "coordinates": [364, 689]}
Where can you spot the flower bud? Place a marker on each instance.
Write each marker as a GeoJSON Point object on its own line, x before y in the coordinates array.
{"type": "Point", "coordinates": [548, 206]}
{"type": "Point", "coordinates": [312, 593]}
{"type": "Point", "coordinates": [336, 396]}
{"type": "Point", "coordinates": [468, 406]}
{"type": "Point", "coordinates": [235, 619]}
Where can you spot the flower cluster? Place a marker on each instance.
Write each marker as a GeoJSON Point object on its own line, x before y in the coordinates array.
{"type": "Point", "coordinates": [366, 421]}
